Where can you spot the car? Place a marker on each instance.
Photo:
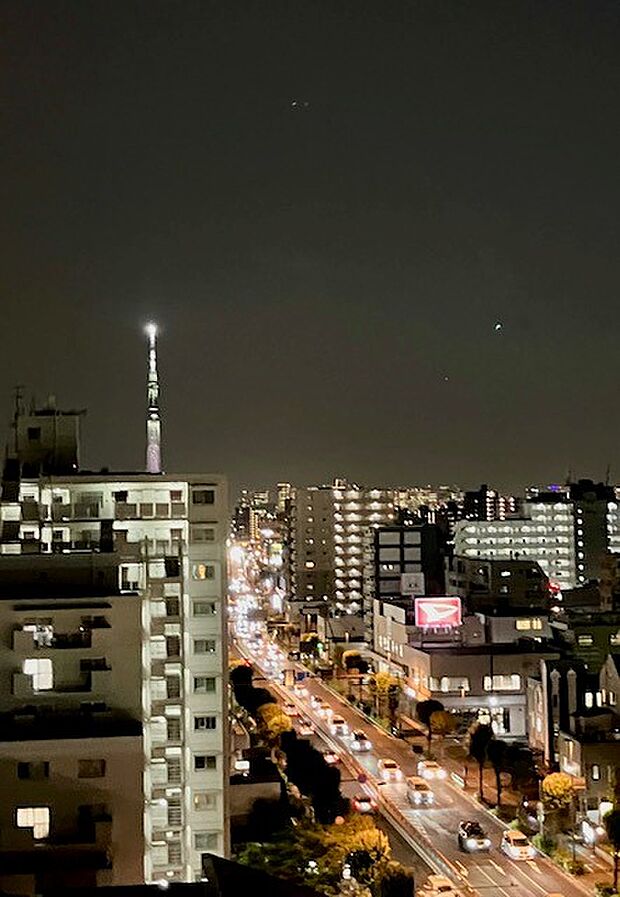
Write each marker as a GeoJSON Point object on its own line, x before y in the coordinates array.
{"type": "Point", "coordinates": [363, 803]}
{"type": "Point", "coordinates": [300, 690]}
{"type": "Point", "coordinates": [419, 793]}
{"type": "Point", "coordinates": [290, 710]}
{"type": "Point", "coordinates": [389, 770]}
{"type": "Point", "coordinates": [360, 741]}
{"type": "Point", "coordinates": [315, 700]}
{"type": "Point", "coordinates": [438, 885]}
{"type": "Point", "coordinates": [305, 727]}
{"type": "Point", "coordinates": [471, 837]}
{"type": "Point", "coordinates": [331, 758]}
{"type": "Point", "coordinates": [338, 726]}
{"type": "Point", "coordinates": [430, 769]}
{"type": "Point", "coordinates": [515, 845]}
{"type": "Point", "coordinates": [324, 710]}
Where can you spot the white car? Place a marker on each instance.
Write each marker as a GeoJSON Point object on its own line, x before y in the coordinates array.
{"type": "Point", "coordinates": [360, 741]}
{"type": "Point", "coordinates": [324, 710]}
{"type": "Point", "coordinates": [430, 769]}
{"type": "Point", "coordinates": [290, 710]}
{"type": "Point", "coordinates": [338, 726]}
{"type": "Point", "coordinates": [438, 885]}
{"type": "Point", "coordinates": [419, 793]}
{"type": "Point", "coordinates": [389, 770]}
{"type": "Point", "coordinates": [331, 758]}
{"type": "Point", "coordinates": [515, 845]}
{"type": "Point", "coordinates": [300, 690]}
{"type": "Point", "coordinates": [315, 701]}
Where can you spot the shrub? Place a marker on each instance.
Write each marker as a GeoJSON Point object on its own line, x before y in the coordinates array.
{"type": "Point", "coordinates": [604, 890]}
{"type": "Point", "coordinates": [544, 844]}
{"type": "Point", "coordinates": [565, 860]}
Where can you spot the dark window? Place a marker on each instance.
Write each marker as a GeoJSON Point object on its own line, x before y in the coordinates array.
{"type": "Point", "coordinates": [173, 567]}
{"type": "Point", "coordinates": [120, 496]}
{"type": "Point", "coordinates": [34, 434]}
{"type": "Point", "coordinates": [203, 496]}
{"type": "Point", "coordinates": [204, 722]}
{"type": "Point", "coordinates": [33, 771]}
{"type": "Point", "coordinates": [91, 769]}
{"type": "Point", "coordinates": [205, 761]}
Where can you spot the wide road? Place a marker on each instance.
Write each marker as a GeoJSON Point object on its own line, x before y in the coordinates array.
{"type": "Point", "coordinates": [432, 829]}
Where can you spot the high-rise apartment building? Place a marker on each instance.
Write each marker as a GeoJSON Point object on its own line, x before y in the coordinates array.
{"type": "Point", "coordinates": [327, 526]}
{"type": "Point", "coordinates": [166, 534]}
{"type": "Point", "coordinates": [568, 532]}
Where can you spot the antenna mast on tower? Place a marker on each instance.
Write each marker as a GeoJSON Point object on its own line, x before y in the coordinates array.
{"type": "Point", "coordinates": [153, 419]}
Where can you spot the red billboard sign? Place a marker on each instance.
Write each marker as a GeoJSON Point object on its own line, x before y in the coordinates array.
{"type": "Point", "coordinates": [438, 613]}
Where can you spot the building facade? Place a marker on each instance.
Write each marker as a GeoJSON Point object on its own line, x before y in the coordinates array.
{"type": "Point", "coordinates": [168, 533]}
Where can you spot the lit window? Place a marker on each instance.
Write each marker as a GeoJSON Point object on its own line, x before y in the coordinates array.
{"type": "Point", "coordinates": [589, 699]}
{"type": "Point", "coordinates": [41, 670]}
{"type": "Point", "coordinates": [509, 682]}
{"type": "Point", "coordinates": [309, 565]}
{"type": "Point", "coordinates": [35, 818]}
{"type": "Point", "coordinates": [203, 571]}
{"type": "Point", "coordinates": [523, 625]}
{"type": "Point", "coordinates": [596, 772]}
{"type": "Point", "coordinates": [584, 640]}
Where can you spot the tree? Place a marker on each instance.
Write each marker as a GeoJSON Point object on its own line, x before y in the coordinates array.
{"type": "Point", "coordinates": [497, 752]}
{"type": "Point", "coordinates": [385, 688]}
{"type": "Point", "coordinates": [424, 710]}
{"type": "Point", "coordinates": [442, 723]}
{"type": "Point", "coordinates": [392, 879]}
{"type": "Point", "coordinates": [273, 722]}
{"type": "Point", "coordinates": [611, 821]}
{"type": "Point", "coordinates": [558, 790]}
{"type": "Point", "coordinates": [479, 738]}
{"type": "Point", "coordinates": [240, 673]}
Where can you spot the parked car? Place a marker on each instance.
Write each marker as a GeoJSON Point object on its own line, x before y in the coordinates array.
{"type": "Point", "coordinates": [389, 770]}
{"type": "Point", "coordinates": [515, 845]}
{"type": "Point", "coordinates": [471, 837]}
{"type": "Point", "coordinates": [419, 793]}
{"type": "Point", "coordinates": [360, 741]}
{"type": "Point", "coordinates": [430, 769]}
{"type": "Point", "coordinates": [338, 726]}
{"type": "Point", "coordinates": [363, 803]}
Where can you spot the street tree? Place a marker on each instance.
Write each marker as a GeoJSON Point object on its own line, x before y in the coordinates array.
{"type": "Point", "coordinates": [497, 753]}
{"type": "Point", "coordinates": [479, 738]}
{"type": "Point", "coordinates": [611, 822]}
{"type": "Point", "coordinates": [424, 711]}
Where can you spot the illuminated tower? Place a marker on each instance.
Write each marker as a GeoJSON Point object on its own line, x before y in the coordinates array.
{"type": "Point", "coordinates": [153, 420]}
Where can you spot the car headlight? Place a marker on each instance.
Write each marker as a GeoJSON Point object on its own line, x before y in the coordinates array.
{"type": "Point", "coordinates": [487, 842]}
{"type": "Point", "coordinates": [471, 843]}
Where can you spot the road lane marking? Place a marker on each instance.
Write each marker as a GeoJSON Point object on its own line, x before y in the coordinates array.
{"type": "Point", "coordinates": [463, 869]}
{"type": "Point", "coordinates": [533, 866]}
{"type": "Point", "coordinates": [497, 866]}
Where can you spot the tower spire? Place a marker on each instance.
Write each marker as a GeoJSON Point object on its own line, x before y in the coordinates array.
{"type": "Point", "coordinates": [153, 419]}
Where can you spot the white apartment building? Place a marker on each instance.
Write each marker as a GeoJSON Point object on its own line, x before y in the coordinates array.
{"type": "Point", "coordinates": [326, 541]}
{"type": "Point", "coordinates": [546, 535]}
{"type": "Point", "coordinates": [169, 533]}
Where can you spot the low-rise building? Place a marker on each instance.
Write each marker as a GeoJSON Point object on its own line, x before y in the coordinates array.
{"type": "Point", "coordinates": [478, 669]}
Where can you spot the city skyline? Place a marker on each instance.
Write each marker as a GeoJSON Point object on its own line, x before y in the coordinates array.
{"type": "Point", "coordinates": [382, 245]}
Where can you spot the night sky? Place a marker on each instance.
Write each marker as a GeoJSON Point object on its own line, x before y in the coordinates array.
{"type": "Point", "coordinates": [328, 206]}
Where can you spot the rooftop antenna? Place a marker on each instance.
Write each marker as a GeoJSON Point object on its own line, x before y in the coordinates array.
{"type": "Point", "coordinates": [153, 419]}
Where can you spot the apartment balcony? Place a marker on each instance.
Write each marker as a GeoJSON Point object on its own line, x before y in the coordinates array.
{"type": "Point", "coordinates": [24, 642]}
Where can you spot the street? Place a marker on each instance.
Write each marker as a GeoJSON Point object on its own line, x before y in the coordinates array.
{"type": "Point", "coordinates": [431, 831]}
